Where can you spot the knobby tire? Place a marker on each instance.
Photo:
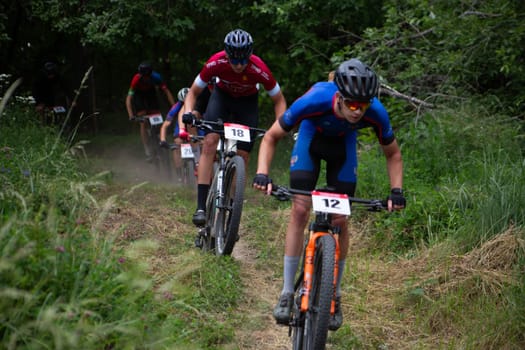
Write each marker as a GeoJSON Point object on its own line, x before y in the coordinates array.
{"type": "Point", "coordinates": [229, 218]}
{"type": "Point", "coordinates": [316, 319]}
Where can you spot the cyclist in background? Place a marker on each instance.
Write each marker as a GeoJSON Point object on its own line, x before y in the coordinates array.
{"type": "Point", "coordinates": [142, 98]}
{"type": "Point", "coordinates": [234, 99]}
{"type": "Point", "coordinates": [329, 115]}
{"type": "Point", "coordinates": [49, 89]}
{"type": "Point", "coordinates": [173, 114]}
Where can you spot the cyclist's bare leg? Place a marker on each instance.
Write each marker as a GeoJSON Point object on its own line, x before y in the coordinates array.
{"type": "Point", "coordinates": [342, 222]}
{"type": "Point", "coordinates": [144, 134]}
{"type": "Point", "coordinates": [209, 149]}
{"type": "Point", "coordinates": [299, 216]}
{"type": "Point", "coordinates": [177, 158]}
{"type": "Point", "coordinates": [144, 138]}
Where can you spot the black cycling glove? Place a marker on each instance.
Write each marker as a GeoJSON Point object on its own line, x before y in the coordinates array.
{"type": "Point", "coordinates": [397, 198]}
{"type": "Point", "coordinates": [261, 180]}
{"type": "Point", "coordinates": [164, 144]}
{"type": "Point", "coordinates": [188, 118]}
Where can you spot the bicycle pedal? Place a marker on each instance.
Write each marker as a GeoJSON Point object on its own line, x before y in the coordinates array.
{"type": "Point", "coordinates": [198, 242]}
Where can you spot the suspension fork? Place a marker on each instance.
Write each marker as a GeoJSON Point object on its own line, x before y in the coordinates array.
{"type": "Point", "coordinates": [309, 268]}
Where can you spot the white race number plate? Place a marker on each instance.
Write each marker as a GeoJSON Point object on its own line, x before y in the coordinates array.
{"type": "Point", "coordinates": [333, 203]}
{"type": "Point", "coordinates": [237, 132]}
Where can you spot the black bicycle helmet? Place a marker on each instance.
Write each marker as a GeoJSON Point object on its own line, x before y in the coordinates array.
{"type": "Point", "coordinates": [238, 44]}
{"type": "Point", "coordinates": [50, 68]}
{"type": "Point", "coordinates": [145, 68]}
{"type": "Point", "coordinates": [356, 81]}
{"type": "Point", "coordinates": [181, 95]}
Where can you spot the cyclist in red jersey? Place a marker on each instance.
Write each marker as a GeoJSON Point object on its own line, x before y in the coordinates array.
{"type": "Point", "coordinates": [142, 97]}
{"type": "Point", "coordinates": [234, 99]}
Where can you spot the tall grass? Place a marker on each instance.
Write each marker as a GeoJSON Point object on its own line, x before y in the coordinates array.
{"type": "Point", "coordinates": [65, 283]}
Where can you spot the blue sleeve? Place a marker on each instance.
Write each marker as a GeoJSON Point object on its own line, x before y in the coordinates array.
{"type": "Point", "coordinates": [157, 78]}
{"type": "Point", "coordinates": [315, 102]}
{"type": "Point", "coordinates": [174, 111]}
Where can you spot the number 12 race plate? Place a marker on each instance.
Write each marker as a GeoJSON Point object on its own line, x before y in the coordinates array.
{"type": "Point", "coordinates": [333, 203]}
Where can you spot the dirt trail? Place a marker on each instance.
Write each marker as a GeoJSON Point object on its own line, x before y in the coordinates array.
{"type": "Point", "coordinates": [152, 220]}
{"type": "Point", "coordinates": [368, 305]}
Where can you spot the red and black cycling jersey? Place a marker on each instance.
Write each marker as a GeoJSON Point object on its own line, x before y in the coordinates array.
{"type": "Point", "coordinates": [141, 83]}
{"type": "Point", "coordinates": [238, 84]}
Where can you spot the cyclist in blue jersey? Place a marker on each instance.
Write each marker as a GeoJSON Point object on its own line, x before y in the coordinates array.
{"type": "Point", "coordinates": [180, 134]}
{"type": "Point", "coordinates": [142, 98]}
{"type": "Point", "coordinates": [173, 115]}
{"type": "Point", "coordinates": [328, 115]}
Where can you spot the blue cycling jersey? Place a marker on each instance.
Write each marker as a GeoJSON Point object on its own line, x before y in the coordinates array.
{"type": "Point", "coordinates": [316, 105]}
{"type": "Point", "coordinates": [335, 137]}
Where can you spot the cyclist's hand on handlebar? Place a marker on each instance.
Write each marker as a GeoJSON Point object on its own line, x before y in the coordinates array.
{"type": "Point", "coordinates": [184, 135]}
{"type": "Point", "coordinates": [262, 182]}
{"type": "Point", "coordinates": [188, 118]}
{"type": "Point", "coordinates": [164, 144]}
{"type": "Point", "coordinates": [132, 117]}
{"type": "Point", "coordinates": [396, 200]}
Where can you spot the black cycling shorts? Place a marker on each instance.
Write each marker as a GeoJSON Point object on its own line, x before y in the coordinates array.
{"type": "Point", "coordinates": [332, 151]}
{"type": "Point", "coordinates": [241, 110]}
{"type": "Point", "coordinates": [145, 101]}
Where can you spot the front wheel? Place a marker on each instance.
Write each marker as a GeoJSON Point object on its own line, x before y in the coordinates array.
{"type": "Point", "coordinates": [318, 315]}
{"type": "Point", "coordinates": [230, 210]}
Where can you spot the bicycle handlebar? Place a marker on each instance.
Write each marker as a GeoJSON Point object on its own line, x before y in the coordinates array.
{"type": "Point", "coordinates": [283, 193]}
{"type": "Point", "coordinates": [210, 125]}
{"type": "Point", "coordinates": [137, 119]}
{"type": "Point", "coordinates": [193, 139]}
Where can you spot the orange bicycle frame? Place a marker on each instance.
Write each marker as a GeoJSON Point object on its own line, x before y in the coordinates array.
{"type": "Point", "coordinates": [309, 268]}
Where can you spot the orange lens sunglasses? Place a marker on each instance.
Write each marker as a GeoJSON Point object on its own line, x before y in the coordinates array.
{"type": "Point", "coordinates": [355, 105]}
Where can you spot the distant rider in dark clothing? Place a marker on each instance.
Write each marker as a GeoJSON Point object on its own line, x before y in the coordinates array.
{"type": "Point", "coordinates": [49, 89]}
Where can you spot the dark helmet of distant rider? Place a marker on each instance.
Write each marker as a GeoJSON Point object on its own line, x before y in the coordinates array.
{"type": "Point", "coordinates": [145, 68]}
{"type": "Point", "coordinates": [356, 81]}
{"type": "Point", "coordinates": [50, 68]}
{"type": "Point", "coordinates": [238, 44]}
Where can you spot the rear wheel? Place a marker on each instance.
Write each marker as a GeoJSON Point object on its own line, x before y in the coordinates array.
{"type": "Point", "coordinates": [153, 145]}
{"type": "Point", "coordinates": [230, 211]}
{"type": "Point", "coordinates": [318, 315]}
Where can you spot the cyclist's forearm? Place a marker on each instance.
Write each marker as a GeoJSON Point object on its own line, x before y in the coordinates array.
{"type": "Point", "coordinates": [394, 164]}
{"type": "Point", "coordinates": [128, 106]}
{"type": "Point", "coordinates": [268, 146]}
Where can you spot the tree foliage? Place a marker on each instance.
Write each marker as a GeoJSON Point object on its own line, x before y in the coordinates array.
{"type": "Point", "coordinates": [431, 49]}
{"type": "Point", "coordinates": [434, 49]}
